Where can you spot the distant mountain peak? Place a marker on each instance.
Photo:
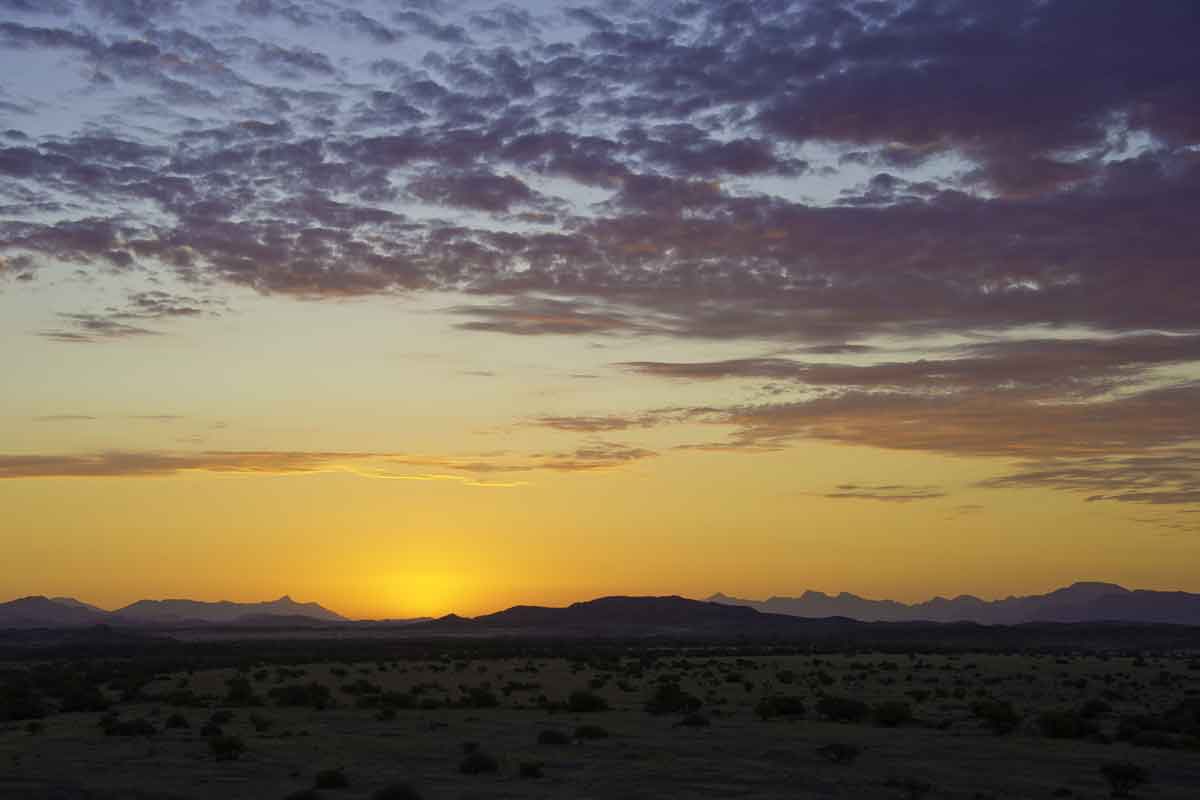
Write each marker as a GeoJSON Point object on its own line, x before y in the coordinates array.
{"type": "Point", "coordinates": [1082, 601]}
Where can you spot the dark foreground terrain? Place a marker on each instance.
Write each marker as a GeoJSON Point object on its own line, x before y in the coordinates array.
{"type": "Point", "coordinates": [274, 714]}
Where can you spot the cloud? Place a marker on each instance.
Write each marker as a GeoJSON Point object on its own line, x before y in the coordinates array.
{"type": "Point", "coordinates": [93, 328]}
{"type": "Point", "coordinates": [887, 493]}
{"type": "Point", "coordinates": [593, 457]}
{"type": "Point", "coordinates": [1155, 477]}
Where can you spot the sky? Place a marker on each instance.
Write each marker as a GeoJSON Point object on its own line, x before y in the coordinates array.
{"type": "Point", "coordinates": [415, 307]}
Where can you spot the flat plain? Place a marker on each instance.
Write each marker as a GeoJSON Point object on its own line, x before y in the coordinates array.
{"type": "Point", "coordinates": [612, 722]}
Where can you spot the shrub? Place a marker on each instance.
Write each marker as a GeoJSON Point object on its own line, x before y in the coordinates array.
{"type": "Point", "coordinates": [694, 720]}
{"type": "Point", "coordinates": [553, 737]}
{"type": "Point", "coordinates": [584, 701]}
{"type": "Point", "coordinates": [397, 791]}
{"type": "Point", "coordinates": [226, 748]}
{"type": "Point", "coordinates": [130, 727]}
{"type": "Point", "coordinates": [1124, 776]}
{"type": "Point", "coordinates": [222, 716]}
{"type": "Point", "coordinates": [780, 706]}
{"type": "Point", "coordinates": [1000, 716]}
{"type": "Point", "coordinates": [839, 752]}
{"type": "Point", "coordinates": [668, 698]}
{"type": "Point", "coordinates": [331, 779]}
{"type": "Point", "coordinates": [241, 692]}
{"type": "Point", "coordinates": [530, 769]}
{"type": "Point", "coordinates": [913, 788]}
{"type": "Point", "coordinates": [477, 763]}
{"type": "Point", "coordinates": [304, 794]}
{"type": "Point", "coordinates": [590, 732]}
{"type": "Point", "coordinates": [177, 720]}
{"type": "Point", "coordinates": [891, 713]}
{"type": "Point", "coordinates": [1154, 739]}
{"type": "Point", "coordinates": [311, 695]}
{"type": "Point", "coordinates": [842, 709]}
{"type": "Point", "coordinates": [1065, 725]}
{"type": "Point", "coordinates": [480, 697]}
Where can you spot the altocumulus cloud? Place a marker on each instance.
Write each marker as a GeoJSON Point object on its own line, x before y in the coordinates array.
{"type": "Point", "coordinates": [708, 171]}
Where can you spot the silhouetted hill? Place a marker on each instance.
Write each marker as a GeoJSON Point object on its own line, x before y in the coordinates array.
{"type": "Point", "coordinates": [1079, 602]}
{"type": "Point", "coordinates": [42, 612]}
{"type": "Point", "coordinates": [168, 612]}
{"type": "Point", "coordinates": [66, 612]}
{"type": "Point", "coordinates": [628, 616]}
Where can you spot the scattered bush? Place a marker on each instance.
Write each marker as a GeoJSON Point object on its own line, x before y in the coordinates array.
{"type": "Point", "coordinates": [584, 701]}
{"type": "Point", "coordinates": [891, 713]}
{"type": "Point", "coordinates": [1065, 725]}
{"type": "Point", "coordinates": [477, 763]}
{"type": "Point", "coordinates": [240, 692]}
{"type": "Point", "coordinates": [590, 732]}
{"type": "Point", "coordinates": [780, 706]}
{"type": "Point", "coordinates": [129, 727]}
{"type": "Point", "coordinates": [177, 720]}
{"type": "Point", "coordinates": [839, 752]}
{"type": "Point", "coordinates": [397, 791]}
{"type": "Point", "coordinates": [530, 769]}
{"type": "Point", "coordinates": [694, 720]}
{"type": "Point", "coordinates": [553, 737]}
{"type": "Point", "coordinates": [1124, 776]}
{"type": "Point", "coordinates": [1000, 716]}
{"type": "Point", "coordinates": [331, 779]}
{"type": "Point", "coordinates": [669, 698]}
{"type": "Point", "coordinates": [842, 709]}
{"type": "Point", "coordinates": [310, 695]}
{"type": "Point", "coordinates": [226, 748]}
{"type": "Point", "coordinates": [222, 716]}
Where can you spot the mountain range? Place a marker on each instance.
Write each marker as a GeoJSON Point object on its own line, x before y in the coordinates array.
{"type": "Point", "coordinates": [1080, 602]}
{"type": "Point", "coordinates": [1085, 601]}
{"type": "Point", "coordinates": [60, 612]}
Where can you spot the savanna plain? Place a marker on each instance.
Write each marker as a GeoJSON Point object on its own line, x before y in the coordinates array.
{"type": "Point", "coordinates": [457, 719]}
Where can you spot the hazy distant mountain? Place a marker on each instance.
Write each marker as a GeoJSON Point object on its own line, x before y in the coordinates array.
{"type": "Point", "coordinates": [1079, 602]}
{"type": "Point", "coordinates": [166, 612]}
{"type": "Point", "coordinates": [67, 612]}
{"type": "Point", "coordinates": [71, 601]}
{"type": "Point", "coordinates": [42, 612]}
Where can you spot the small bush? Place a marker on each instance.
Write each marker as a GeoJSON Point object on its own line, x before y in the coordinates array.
{"type": "Point", "coordinates": [397, 791]}
{"type": "Point", "coordinates": [226, 748]}
{"type": "Point", "coordinates": [131, 727]}
{"type": "Point", "coordinates": [780, 706]}
{"type": "Point", "coordinates": [1124, 776]}
{"type": "Point", "coordinates": [891, 713]}
{"type": "Point", "coordinates": [668, 698]}
{"type": "Point", "coordinates": [842, 709]}
{"type": "Point", "coordinates": [477, 763]}
{"type": "Point", "coordinates": [694, 720]}
{"type": "Point", "coordinates": [311, 695]}
{"type": "Point", "coordinates": [304, 794]}
{"type": "Point", "coordinates": [177, 720]}
{"type": "Point", "coordinates": [584, 701]}
{"type": "Point", "coordinates": [913, 788]}
{"type": "Point", "coordinates": [553, 737]}
{"type": "Point", "coordinates": [839, 752]}
{"type": "Point", "coordinates": [331, 779]}
{"type": "Point", "coordinates": [1065, 725]}
{"type": "Point", "coordinates": [222, 716]}
{"type": "Point", "coordinates": [1000, 716]}
{"type": "Point", "coordinates": [590, 732]}
{"type": "Point", "coordinates": [479, 697]}
{"type": "Point", "coordinates": [530, 769]}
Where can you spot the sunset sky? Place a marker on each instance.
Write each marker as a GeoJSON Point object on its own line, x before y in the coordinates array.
{"type": "Point", "coordinates": [417, 307]}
